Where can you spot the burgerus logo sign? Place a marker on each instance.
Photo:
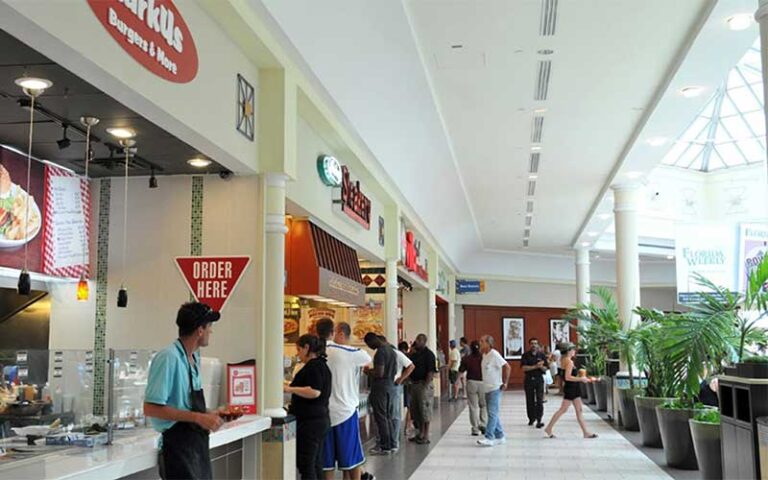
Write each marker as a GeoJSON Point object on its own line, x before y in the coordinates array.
{"type": "Point", "coordinates": [154, 33]}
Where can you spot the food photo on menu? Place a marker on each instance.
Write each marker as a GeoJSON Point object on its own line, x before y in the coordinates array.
{"type": "Point", "coordinates": [15, 230]}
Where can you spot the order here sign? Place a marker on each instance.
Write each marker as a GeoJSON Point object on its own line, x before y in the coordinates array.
{"type": "Point", "coordinates": [212, 279]}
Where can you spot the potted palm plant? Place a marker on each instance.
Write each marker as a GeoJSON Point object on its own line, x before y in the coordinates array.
{"type": "Point", "coordinates": [628, 342]}
{"type": "Point", "coordinates": [660, 386]}
{"type": "Point", "coordinates": [694, 343]}
{"type": "Point", "coordinates": [705, 430]}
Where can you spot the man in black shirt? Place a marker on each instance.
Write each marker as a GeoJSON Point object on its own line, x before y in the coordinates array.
{"type": "Point", "coordinates": [383, 394]}
{"type": "Point", "coordinates": [534, 364]}
{"type": "Point", "coordinates": [422, 392]}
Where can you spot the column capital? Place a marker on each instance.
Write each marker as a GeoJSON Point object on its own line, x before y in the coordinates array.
{"type": "Point", "coordinates": [626, 196]}
{"type": "Point", "coordinates": [582, 256]}
{"type": "Point", "coordinates": [275, 179]}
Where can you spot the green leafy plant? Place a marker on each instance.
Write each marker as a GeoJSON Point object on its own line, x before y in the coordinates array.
{"type": "Point", "coordinates": [649, 357]}
{"type": "Point", "coordinates": [756, 359]}
{"type": "Point", "coordinates": [598, 326]}
{"type": "Point", "coordinates": [709, 415]}
{"type": "Point", "coordinates": [680, 404]}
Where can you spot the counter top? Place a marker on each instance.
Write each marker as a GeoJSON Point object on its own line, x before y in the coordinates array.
{"type": "Point", "coordinates": [126, 456]}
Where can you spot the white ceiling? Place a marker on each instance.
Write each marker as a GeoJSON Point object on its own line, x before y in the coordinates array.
{"type": "Point", "coordinates": [452, 126]}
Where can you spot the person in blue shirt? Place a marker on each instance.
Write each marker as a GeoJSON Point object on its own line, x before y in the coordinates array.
{"type": "Point", "coordinates": [174, 398]}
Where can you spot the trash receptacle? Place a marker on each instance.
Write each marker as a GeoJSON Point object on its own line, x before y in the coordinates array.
{"type": "Point", "coordinates": [762, 441]}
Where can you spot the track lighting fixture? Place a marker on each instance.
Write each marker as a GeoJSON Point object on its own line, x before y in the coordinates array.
{"type": "Point", "coordinates": [65, 142]}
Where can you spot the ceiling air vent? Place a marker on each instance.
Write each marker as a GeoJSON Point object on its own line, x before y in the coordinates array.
{"type": "Point", "coordinates": [537, 128]}
{"type": "Point", "coordinates": [528, 221]}
{"type": "Point", "coordinates": [525, 242]}
{"type": "Point", "coordinates": [542, 80]}
{"type": "Point", "coordinates": [531, 188]}
{"type": "Point", "coordinates": [529, 208]}
{"type": "Point", "coordinates": [534, 164]}
{"type": "Point", "coordinates": [548, 18]}
{"type": "Point", "coordinates": [527, 232]}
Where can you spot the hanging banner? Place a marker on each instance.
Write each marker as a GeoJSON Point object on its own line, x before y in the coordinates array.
{"type": "Point", "coordinates": [212, 279]}
{"type": "Point", "coordinates": [154, 33]}
{"type": "Point", "coordinates": [709, 250]}
{"type": "Point", "coordinates": [753, 246]}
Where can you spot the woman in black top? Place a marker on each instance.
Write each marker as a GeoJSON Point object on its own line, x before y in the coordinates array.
{"type": "Point", "coordinates": [309, 391]}
{"type": "Point", "coordinates": [571, 395]}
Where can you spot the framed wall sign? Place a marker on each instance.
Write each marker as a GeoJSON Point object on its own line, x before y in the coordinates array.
{"type": "Point", "coordinates": [559, 332]}
{"type": "Point", "coordinates": [514, 334]}
{"type": "Point", "coordinates": [241, 386]}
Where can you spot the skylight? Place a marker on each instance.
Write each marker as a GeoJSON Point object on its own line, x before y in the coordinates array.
{"type": "Point", "coordinates": [730, 130]}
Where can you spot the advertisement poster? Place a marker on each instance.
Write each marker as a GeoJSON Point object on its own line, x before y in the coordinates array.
{"type": "Point", "coordinates": [369, 318]}
{"type": "Point", "coordinates": [559, 333]}
{"type": "Point", "coordinates": [753, 246]}
{"type": "Point", "coordinates": [709, 250]}
{"type": "Point", "coordinates": [514, 334]}
{"type": "Point", "coordinates": [241, 386]}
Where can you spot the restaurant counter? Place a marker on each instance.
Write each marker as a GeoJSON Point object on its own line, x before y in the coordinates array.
{"type": "Point", "coordinates": [135, 456]}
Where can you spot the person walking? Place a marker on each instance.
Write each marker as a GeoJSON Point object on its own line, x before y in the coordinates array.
{"type": "Point", "coordinates": [404, 369]}
{"type": "Point", "coordinates": [382, 396]}
{"type": "Point", "coordinates": [174, 398]}
{"type": "Point", "coordinates": [465, 350]}
{"type": "Point", "coordinates": [471, 366]}
{"type": "Point", "coordinates": [454, 359]}
{"type": "Point", "coordinates": [571, 395]}
{"type": "Point", "coordinates": [310, 391]}
{"type": "Point", "coordinates": [534, 365]}
{"type": "Point", "coordinates": [343, 449]}
{"type": "Point", "coordinates": [496, 373]}
{"type": "Point", "coordinates": [422, 391]}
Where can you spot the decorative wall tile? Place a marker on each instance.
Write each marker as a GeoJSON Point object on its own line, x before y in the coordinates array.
{"type": "Point", "coordinates": [102, 263]}
{"type": "Point", "coordinates": [196, 237]}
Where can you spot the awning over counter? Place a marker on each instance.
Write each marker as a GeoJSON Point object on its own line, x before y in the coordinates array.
{"type": "Point", "coordinates": [320, 266]}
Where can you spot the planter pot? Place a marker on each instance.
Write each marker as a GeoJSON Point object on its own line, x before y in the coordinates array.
{"type": "Point", "coordinates": [647, 421]}
{"type": "Point", "coordinates": [627, 408]}
{"type": "Point", "coordinates": [706, 443]}
{"type": "Point", "coordinates": [732, 371]}
{"type": "Point", "coordinates": [752, 370]}
{"type": "Point", "coordinates": [584, 392]}
{"type": "Point", "coordinates": [591, 393]}
{"type": "Point", "coordinates": [601, 395]}
{"type": "Point", "coordinates": [676, 437]}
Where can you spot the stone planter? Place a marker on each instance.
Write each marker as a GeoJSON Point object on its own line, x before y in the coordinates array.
{"type": "Point", "coordinates": [601, 395]}
{"type": "Point", "coordinates": [676, 437]}
{"type": "Point", "coordinates": [752, 370]}
{"type": "Point", "coordinates": [706, 443]}
{"type": "Point", "coordinates": [627, 408]}
{"type": "Point", "coordinates": [591, 393]}
{"type": "Point", "coordinates": [647, 421]}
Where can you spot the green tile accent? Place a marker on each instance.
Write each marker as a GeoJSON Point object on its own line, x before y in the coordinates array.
{"type": "Point", "coordinates": [102, 263]}
{"type": "Point", "coordinates": [196, 224]}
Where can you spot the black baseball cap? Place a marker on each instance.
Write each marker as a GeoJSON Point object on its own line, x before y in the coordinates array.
{"type": "Point", "coordinates": [195, 314]}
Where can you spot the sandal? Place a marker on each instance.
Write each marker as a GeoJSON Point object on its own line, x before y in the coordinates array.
{"type": "Point", "coordinates": [549, 435]}
{"type": "Point", "coordinates": [592, 435]}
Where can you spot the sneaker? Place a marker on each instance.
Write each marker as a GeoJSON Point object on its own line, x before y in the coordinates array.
{"type": "Point", "coordinates": [475, 434]}
{"type": "Point", "coordinates": [539, 425]}
{"type": "Point", "coordinates": [500, 441]}
{"type": "Point", "coordinates": [367, 476]}
{"type": "Point", "coordinates": [484, 442]}
{"type": "Point", "coordinates": [378, 451]}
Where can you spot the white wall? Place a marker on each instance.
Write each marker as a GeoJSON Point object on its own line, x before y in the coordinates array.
{"type": "Point", "coordinates": [312, 195]}
{"type": "Point", "coordinates": [415, 313]}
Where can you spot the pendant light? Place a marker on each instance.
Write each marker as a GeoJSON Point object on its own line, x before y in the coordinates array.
{"type": "Point", "coordinates": [32, 87]}
{"type": "Point", "coordinates": [122, 294]}
{"type": "Point", "coordinates": [82, 284]}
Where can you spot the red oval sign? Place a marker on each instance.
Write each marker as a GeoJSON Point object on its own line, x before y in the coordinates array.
{"type": "Point", "coordinates": [154, 33]}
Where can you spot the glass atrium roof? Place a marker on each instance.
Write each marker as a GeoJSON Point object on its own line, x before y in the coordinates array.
{"type": "Point", "coordinates": [730, 130]}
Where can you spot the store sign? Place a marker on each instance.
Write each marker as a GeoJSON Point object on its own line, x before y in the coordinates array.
{"type": "Point", "coordinates": [469, 286]}
{"type": "Point", "coordinates": [753, 246]}
{"type": "Point", "coordinates": [154, 33]}
{"type": "Point", "coordinates": [332, 285]}
{"type": "Point", "coordinates": [354, 203]}
{"type": "Point", "coordinates": [708, 250]}
{"type": "Point", "coordinates": [329, 170]}
{"type": "Point", "coordinates": [414, 261]}
{"type": "Point", "coordinates": [212, 279]}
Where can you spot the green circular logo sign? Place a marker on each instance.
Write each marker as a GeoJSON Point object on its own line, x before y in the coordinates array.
{"type": "Point", "coordinates": [330, 170]}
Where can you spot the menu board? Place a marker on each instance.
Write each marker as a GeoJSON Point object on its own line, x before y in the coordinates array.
{"type": "Point", "coordinates": [361, 320]}
{"type": "Point", "coordinates": [67, 204]}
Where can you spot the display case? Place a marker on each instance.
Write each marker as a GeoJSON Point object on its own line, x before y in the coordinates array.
{"type": "Point", "coordinates": [130, 370]}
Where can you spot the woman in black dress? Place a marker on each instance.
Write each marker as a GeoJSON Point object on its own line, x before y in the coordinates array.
{"type": "Point", "coordinates": [310, 389]}
{"type": "Point", "coordinates": [571, 395]}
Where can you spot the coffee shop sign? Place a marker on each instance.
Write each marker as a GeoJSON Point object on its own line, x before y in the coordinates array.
{"type": "Point", "coordinates": [354, 203]}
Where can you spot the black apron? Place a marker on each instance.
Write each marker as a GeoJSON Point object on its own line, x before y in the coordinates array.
{"type": "Point", "coordinates": [185, 454]}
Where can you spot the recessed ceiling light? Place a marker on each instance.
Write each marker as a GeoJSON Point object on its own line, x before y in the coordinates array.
{"type": "Point", "coordinates": [604, 216]}
{"type": "Point", "coordinates": [656, 141]}
{"type": "Point", "coordinates": [545, 51]}
{"type": "Point", "coordinates": [529, 214]}
{"type": "Point", "coordinates": [121, 132]}
{"type": "Point", "coordinates": [533, 176]}
{"type": "Point", "coordinates": [33, 83]}
{"type": "Point", "coordinates": [198, 162]}
{"type": "Point", "coordinates": [633, 174]}
{"type": "Point", "coordinates": [593, 234]}
{"type": "Point", "coordinates": [692, 91]}
{"type": "Point", "coordinates": [670, 257]}
{"type": "Point", "coordinates": [536, 148]}
{"type": "Point", "coordinates": [585, 244]}
{"type": "Point", "coordinates": [540, 110]}
{"type": "Point", "coordinates": [741, 21]}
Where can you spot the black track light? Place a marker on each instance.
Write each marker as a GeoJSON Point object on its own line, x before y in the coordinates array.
{"type": "Point", "coordinates": [64, 142]}
{"type": "Point", "coordinates": [153, 179]}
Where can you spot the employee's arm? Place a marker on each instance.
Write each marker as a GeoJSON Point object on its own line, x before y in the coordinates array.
{"type": "Point", "coordinates": [506, 370]}
{"type": "Point", "coordinates": [209, 421]}
{"type": "Point", "coordinates": [304, 392]}
{"type": "Point", "coordinates": [405, 374]}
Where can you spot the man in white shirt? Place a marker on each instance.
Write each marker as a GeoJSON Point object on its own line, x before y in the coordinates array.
{"type": "Point", "coordinates": [404, 369]}
{"type": "Point", "coordinates": [343, 448]}
{"type": "Point", "coordinates": [496, 373]}
{"type": "Point", "coordinates": [454, 359]}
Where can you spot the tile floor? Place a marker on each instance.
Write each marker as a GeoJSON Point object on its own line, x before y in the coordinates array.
{"type": "Point", "coordinates": [529, 455]}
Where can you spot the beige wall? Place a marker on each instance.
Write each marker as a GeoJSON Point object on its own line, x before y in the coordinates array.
{"type": "Point", "coordinates": [415, 313]}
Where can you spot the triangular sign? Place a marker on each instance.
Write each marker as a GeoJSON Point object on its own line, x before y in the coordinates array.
{"type": "Point", "coordinates": [212, 279]}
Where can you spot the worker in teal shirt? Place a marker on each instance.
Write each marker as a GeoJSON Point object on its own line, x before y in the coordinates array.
{"type": "Point", "coordinates": [174, 398]}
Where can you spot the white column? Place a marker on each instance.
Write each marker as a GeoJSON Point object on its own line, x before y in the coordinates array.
{"type": "Point", "coordinates": [626, 199]}
{"type": "Point", "coordinates": [274, 281]}
{"type": "Point", "coordinates": [391, 293]}
{"type": "Point", "coordinates": [582, 276]}
{"type": "Point", "coordinates": [761, 15]}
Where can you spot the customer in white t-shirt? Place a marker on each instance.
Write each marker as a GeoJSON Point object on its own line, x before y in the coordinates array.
{"type": "Point", "coordinates": [496, 373]}
{"type": "Point", "coordinates": [342, 448]}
